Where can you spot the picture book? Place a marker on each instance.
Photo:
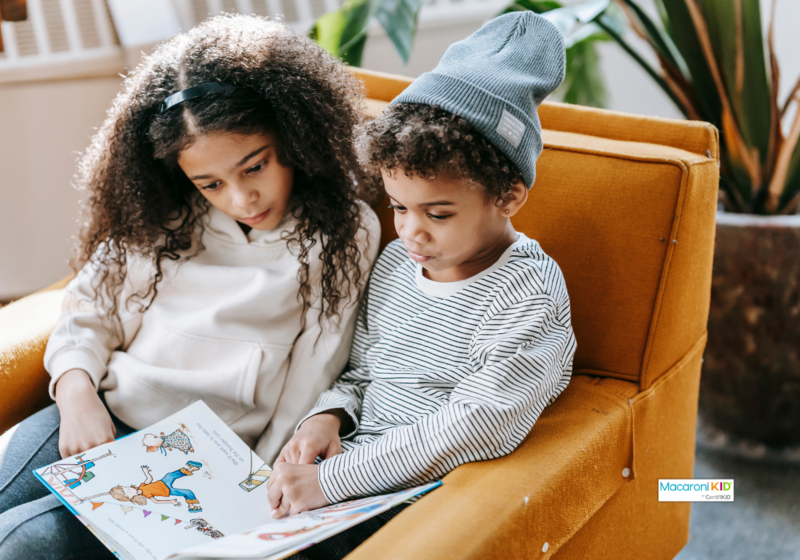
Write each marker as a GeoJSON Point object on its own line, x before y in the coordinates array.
{"type": "Point", "coordinates": [188, 487]}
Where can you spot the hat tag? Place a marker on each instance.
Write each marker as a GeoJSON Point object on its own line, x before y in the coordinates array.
{"type": "Point", "coordinates": [511, 128]}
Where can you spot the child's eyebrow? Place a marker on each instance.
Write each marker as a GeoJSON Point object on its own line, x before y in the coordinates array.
{"type": "Point", "coordinates": [244, 160]}
{"type": "Point", "coordinates": [439, 203]}
{"type": "Point", "coordinates": [250, 156]}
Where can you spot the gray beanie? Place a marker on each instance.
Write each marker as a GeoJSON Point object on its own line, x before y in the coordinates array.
{"type": "Point", "coordinates": [495, 79]}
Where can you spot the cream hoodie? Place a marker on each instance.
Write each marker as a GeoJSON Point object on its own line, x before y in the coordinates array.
{"type": "Point", "coordinates": [225, 327]}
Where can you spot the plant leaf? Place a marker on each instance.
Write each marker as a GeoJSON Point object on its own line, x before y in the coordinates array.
{"type": "Point", "coordinates": [343, 32]}
{"type": "Point", "coordinates": [537, 6]}
{"type": "Point", "coordinates": [659, 40]}
{"type": "Point", "coordinates": [734, 30]}
{"type": "Point", "coordinates": [399, 19]}
{"type": "Point", "coordinates": [584, 84]}
{"type": "Point", "coordinates": [679, 25]}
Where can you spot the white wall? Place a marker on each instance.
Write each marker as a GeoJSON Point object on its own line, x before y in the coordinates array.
{"type": "Point", "coordinates": [44, 125]}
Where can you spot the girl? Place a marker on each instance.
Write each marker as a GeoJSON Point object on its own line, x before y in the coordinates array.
{"type": "Point", "coordinates": [223, 252]}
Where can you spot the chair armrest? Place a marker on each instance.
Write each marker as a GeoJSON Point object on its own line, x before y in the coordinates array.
{"type": "Point", "coordinates": [570, 464]}
{"type": "Point", "coordinates": [25, 326]}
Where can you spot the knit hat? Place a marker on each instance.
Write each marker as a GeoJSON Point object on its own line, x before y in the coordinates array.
{"type": "Point", "coordinates": [495, 79]}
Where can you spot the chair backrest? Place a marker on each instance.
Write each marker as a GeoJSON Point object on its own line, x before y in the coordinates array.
{"type": "Point", "coordinates": [626, 205]}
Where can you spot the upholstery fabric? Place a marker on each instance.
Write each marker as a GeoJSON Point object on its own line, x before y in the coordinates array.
{"type": "Point", "coordinates": [626, 206]}
{"type": "Point", "coordinates": [25, 326]}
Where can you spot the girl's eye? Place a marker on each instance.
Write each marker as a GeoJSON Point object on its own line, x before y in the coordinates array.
{"type": "Point", "coordinates": [211, 187]}
{"type": "Point", "coordinates": [397, 208]}
{"type": "Point", "coordinates": [438, 218]}
{"type": "Point", "coordinates": [257, 168]}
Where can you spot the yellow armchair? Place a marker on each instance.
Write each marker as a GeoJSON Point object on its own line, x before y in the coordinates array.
{"type": "Point", "coordinates": [626, 206]}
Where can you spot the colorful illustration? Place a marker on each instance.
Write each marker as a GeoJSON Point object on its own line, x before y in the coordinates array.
{"type": "Point", "coordinates": [255, 478]}
{"type": "Point", "coordinates": [179, 440]}
{"type": "Point", "coordinates": [159, 491]}
{"type": "Point", "coordinates": [205, 527]}
{"type": "Point", "coordinates": [74, 474]}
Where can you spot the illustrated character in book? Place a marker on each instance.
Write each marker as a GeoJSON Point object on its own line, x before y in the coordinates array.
{"type": "Point", "coordinates": [206, 528]}
{"type": "Point", "coordinates": [178, 439]}
{"type": "Point", "coordinates": [160, 491]}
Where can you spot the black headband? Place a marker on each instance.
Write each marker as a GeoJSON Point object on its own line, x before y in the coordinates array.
{"type": "Point", "coordinates": [193, 93]}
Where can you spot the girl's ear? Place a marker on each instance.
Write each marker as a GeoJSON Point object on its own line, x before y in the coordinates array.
{"type": "Point", "coordinates": [517, 197]}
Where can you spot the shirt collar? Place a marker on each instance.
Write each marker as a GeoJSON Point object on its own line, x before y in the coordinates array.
{"type": "Point", "coordinates": [222, 226]}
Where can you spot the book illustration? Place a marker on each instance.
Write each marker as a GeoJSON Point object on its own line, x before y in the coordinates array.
{"type": "Point", "coordinates": [255, 478]}
{"type": "Point", "coordinates": [74, 474]}
{"type": "Point", "coordinates": [159, 491]}
{"type": "Point", "coordinates": [205, 527]}
{"type": "Point", "coordinates": [178, 440]}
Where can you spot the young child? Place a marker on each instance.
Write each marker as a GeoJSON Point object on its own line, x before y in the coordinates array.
{"type": "Point", "coordinates": [223, 253]}
{"type": "Point", "coordinates": [464, 336]}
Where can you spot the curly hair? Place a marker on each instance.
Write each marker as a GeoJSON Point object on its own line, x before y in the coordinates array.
{"type": "Point", "coordinates": [427, 141]}
{"type": "Point", "coordinates": [141, 203]}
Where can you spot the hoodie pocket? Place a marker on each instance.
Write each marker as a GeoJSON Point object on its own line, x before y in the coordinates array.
{"type": "Point", "coordinates": [182, 368]}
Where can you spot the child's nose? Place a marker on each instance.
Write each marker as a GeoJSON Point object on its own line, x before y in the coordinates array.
{"type": "Point", "coordinates": [414, 229]}
{"type": "Point", "coordinates": [242, 197]}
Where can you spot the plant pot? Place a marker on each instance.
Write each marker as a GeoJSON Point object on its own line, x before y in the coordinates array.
{"type": "Point", "coordinates": [750, 385]}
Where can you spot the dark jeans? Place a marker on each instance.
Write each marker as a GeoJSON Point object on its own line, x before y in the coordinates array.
{"type": "Point", "coordinates": [34, 524]}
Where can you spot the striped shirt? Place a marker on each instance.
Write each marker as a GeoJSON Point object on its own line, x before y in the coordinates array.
{"type": "Point", "coordinates": [442, 374]}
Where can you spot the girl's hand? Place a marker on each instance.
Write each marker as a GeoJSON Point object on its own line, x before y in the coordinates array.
{"type": "Point", "coordinates": [85, 422]}
{"type": "Point", "coordinates": [294, 489]}
{"type": "Point", "coordinates": [317, 437]}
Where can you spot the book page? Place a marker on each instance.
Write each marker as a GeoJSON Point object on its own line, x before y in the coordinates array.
{"type": "Point", "coordinates": [183, 482]}
{"type": "Point", "coordinates": [280, 538]}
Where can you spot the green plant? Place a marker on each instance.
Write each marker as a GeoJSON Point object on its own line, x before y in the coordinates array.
{"type": "Point", "coordinates": [343, 32]}
{"type": "Point", "coordinates": [716, 66]}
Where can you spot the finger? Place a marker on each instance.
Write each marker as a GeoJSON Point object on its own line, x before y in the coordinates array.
{"type": "Point", "coordinates": [282, 510]}
{"type": "Point", "coordinates": [281, 459]}
{"type": "Point", "coordinates": [274, 493]}
{"type": "Point", "coordinates": [308, 455]}
{"type": "Point", "coordinates": [294, 455]}
{"type": "Point", "coordinates": [335, 448]}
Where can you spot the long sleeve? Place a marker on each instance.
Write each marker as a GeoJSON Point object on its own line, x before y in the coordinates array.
{"type": "Point", "coordinates": [319, 354]}
{"type": "Point", "coordinates": [85, 334]}
{"type": "Point", "coordinates": [521, 359]}
{"type": "Point", "coordinates": [347, 392]}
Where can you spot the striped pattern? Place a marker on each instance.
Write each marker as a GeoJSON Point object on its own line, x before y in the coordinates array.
{"type": "Point", "coordinates": [435, 382]}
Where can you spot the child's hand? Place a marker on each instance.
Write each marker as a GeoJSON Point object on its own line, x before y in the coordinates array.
{"type": "Point", "coordinates": [85, 422]}
{"type": "Point", "coordinates": [317, 437]}
{"type": "Point", "coordinates": [293, 489]}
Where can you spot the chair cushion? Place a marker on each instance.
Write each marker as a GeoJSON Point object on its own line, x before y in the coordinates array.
{"type": "Point", "coordinates": [570, 464]}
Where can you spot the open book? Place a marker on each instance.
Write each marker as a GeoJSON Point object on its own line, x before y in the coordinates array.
{"type": "Point", "coordinates": [188, 487]}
